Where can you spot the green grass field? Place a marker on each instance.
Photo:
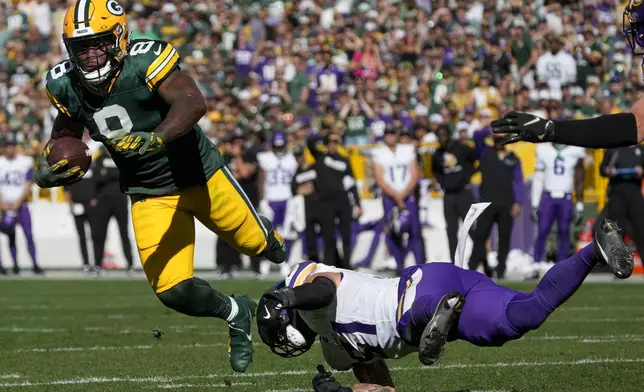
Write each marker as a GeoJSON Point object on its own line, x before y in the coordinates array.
{"type": "Point", "coordinates": [96, 335]}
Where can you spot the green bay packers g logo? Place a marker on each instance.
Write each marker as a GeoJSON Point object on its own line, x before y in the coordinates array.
{"type": "Point", "coordinates": [114, 8]}
{"type": "Point", "coordinates": [637, 3]}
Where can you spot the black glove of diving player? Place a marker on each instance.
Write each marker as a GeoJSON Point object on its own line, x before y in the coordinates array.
{"type": "Point", "coordinates": [284, 297]}
{"type": "Point", "coordinates": [526, 127]}
{"type": "Point", "coordinates": [325, 382]}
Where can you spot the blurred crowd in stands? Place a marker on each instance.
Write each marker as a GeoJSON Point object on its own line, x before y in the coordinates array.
{"type": "Point", "coordinates": [350, 67]}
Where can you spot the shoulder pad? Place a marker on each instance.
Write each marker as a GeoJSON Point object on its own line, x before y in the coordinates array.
{"type": "Point", "coordinates": [59, 88]}
{"type": "Point", "coordinates": [154, 60]}
{"type": "Point", "coordinates": [299, 272]}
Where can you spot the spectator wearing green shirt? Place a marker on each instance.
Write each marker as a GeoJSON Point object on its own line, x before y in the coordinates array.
{"type": "Point", "coordinates": [355, 114]}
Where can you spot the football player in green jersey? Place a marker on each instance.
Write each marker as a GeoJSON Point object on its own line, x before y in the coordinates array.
{"type": "Point", "coordinates": [132, 97]}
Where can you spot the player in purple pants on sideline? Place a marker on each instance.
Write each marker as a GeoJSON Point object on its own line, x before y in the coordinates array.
{"type": "Point", "coordinates": [16, 177]}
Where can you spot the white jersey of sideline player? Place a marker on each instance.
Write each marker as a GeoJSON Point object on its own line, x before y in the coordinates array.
{"type": "Point", "coordinates": [360, 323]}
{"type": "Point", "coordinates": [14, 174]}
{"type": "Point", "coordinates": [279, 171]}
{"type": "Point", "coordinates": [555, 171]}
{"type": "Point", "coordinates": [396, 164]}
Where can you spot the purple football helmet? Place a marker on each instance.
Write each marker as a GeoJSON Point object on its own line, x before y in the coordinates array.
{"type": "Point", "coordinates": [633, 25]}
{"type": "Point", "coordinates": [278, 141]}
{"type": "Point", "coordinates": [399, 221]}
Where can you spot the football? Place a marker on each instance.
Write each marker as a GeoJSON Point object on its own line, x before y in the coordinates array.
{"type": "Point", "coordinates": [74, 150]}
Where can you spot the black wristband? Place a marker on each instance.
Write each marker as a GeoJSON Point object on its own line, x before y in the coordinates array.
{"type": "Point", "coordinates": [609, 131]}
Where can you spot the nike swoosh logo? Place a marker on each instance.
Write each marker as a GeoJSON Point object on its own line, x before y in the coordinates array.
{"type": "Point", "coordinates": [158, 51]}
{"type": "Point", "coordinates": [242, 331]}
{"type": "Point", "coordinates": [534, 120]}
{"type": "Point", "coordinates": [268, 314]}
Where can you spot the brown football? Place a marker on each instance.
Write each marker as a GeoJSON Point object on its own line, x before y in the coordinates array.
{"type": "Point", "coordinates": [74, 150]}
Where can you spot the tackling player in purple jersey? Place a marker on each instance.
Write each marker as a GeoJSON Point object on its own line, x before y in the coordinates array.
{"type": "Point", "coordinates": [362, 319]}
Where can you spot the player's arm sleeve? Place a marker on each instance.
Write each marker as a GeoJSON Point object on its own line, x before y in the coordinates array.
{"type": "Point", "coordinates": [56, 102]}
{"type": "Point", "coordinates": [518, 188]}
{"type": "Point", "coordinates": [300, 294]}
{"type": "Point", "coordinates": [156, 60]}
{"type": "Point", "coordinates": [608, 131]}
{"type": "Point", "coordinates": [58, 90]}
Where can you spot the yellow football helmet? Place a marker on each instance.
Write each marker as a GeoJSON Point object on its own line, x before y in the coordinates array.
{"type": "Point", "coordinates": [96, 36]}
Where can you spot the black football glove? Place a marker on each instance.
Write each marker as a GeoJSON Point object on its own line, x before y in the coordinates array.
{"type": "Point", "coordinates": [284, 297]}
{"type": "Point", "coordinates": [526, 127]}
{"type": "Point", "coordinates": [325, 382]}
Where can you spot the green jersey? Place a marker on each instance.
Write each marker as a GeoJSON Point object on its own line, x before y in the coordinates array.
{"type": "Point", "coordinates": [134, 105]}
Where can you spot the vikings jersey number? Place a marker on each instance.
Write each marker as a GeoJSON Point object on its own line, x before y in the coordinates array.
{"type": "Point", "coordinates": [279, 171]}
{"type": "Point", "coordinates": [396, 164]}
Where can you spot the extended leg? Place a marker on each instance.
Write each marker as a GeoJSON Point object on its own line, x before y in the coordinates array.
{"type": "Point", "coordinates": [493, 315]}
{"type": "Point", "coordinates": [223, 207]}
{"type": "Point", "coordinates": [165, 236]}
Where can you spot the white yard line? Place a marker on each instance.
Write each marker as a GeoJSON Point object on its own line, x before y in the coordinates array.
{"type": "Point", "coordinates": [171, 379]}
{"type": "Point", "coordinates": [578, 339]}
{"type": "Point", "coordinates": [9, 375]}
{"type": "Point", "coordinates": [34, 330]}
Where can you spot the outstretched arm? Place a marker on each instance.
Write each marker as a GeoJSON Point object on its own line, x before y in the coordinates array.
{"type": "Point", "coordinates": [187, 105]}
{"type": "Point", "coordinates": [317, 292]}
{"type": "Point", "coordinates": [608, 131]}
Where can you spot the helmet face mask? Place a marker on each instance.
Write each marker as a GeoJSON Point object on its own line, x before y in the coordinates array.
{"type": "Point", "coordinates": [633, 26]}
{"type": "Point", "coordinates": [96, 39]}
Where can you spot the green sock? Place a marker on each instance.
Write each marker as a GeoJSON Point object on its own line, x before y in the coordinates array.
{"type": "Point", "coordinates": [195, 297]}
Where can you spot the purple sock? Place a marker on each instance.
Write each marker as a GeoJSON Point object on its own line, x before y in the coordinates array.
{"type": "Point", "coordinates": [527, 311]}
